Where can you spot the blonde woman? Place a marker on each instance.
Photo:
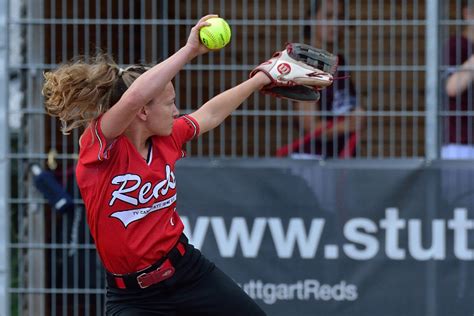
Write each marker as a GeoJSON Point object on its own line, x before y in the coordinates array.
{"type": "Point", "coordinates": [126, 175]}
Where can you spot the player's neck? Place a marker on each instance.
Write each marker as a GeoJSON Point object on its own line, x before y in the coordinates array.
{"type": "Point", "coordinates": [140, 141]}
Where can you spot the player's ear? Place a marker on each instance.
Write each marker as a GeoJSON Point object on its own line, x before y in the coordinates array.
{"type": "Point", "coordinates": [143, 113]}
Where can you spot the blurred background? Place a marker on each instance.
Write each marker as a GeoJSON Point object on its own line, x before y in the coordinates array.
{"type": "Point", "coordinates": [390, 108]}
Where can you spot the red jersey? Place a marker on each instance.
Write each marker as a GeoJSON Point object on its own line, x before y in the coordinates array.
{"type": "Point", "coordinates": [130, 202]}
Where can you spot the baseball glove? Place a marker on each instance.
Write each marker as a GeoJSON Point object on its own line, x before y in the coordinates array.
{"type": "Point", "coordinates": [298, 72]}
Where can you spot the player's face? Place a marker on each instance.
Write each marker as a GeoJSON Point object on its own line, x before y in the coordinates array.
{"type": "Point", "coordinates": [162, 111]}
{"type": "Point", "coordinates": [331, 10]}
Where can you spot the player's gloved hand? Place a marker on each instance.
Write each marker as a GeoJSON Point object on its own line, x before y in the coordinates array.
{"type": "Point", "coordinates": [298, 72]}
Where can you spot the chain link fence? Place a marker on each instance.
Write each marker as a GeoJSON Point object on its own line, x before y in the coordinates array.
{"type": "Point", "coordinates": [396, 108]}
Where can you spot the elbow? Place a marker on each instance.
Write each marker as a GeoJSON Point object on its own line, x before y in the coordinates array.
{"type": "Point", "coordinates": [456, 84]}
{"type": "Point", "coordinates": [214, 121]}
{"type": "Point", "coordinates": [451, 90]}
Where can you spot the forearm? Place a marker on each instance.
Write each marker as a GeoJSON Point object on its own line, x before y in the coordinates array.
{"type": "Point", "coordinates": [152, 82]}
{"type": "Point", "coordinates": [214, 112]}
{"type": "Point", "coordinates": [460, 80]}
{"type": "Point", "coordinates": [141, 92]}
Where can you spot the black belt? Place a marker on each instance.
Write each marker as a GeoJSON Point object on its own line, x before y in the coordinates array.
{"type": "Point", "coordinates": [159, 271]}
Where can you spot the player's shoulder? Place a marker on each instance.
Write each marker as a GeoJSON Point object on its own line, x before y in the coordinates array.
{"type": "Point", "coordinates": [87, 136]}
{"type": "Point", "coordinates": [186, 118]}
{"type": "Point", "coordinates": [185, 124]}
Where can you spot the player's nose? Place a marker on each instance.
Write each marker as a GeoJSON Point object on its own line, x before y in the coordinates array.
{"type": "Point", "coordinates": [175, 111]}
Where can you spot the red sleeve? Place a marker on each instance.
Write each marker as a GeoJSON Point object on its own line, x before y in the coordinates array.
{"type": "Point", "coordinates": [185, 128]}
{"type": "Point", "coordinates": [93, 145]}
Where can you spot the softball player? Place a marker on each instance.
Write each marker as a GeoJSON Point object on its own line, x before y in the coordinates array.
{"type": "Point", "coordinates": [126, 175]}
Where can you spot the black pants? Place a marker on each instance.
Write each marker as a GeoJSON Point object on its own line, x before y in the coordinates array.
{"type": "Point", "coordinates": [198, 287]}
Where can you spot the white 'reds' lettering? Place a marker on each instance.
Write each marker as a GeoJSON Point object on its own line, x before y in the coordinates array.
{"type": "Point", "coordinates": [136, 194]}
{"type": "Point", "coordinates": [144, 190]}
{"type": "Point", "coordinates": [128, 193]}
{"type": "Point", "coordinates": [120, 193]}
{"type": "Point", "coordinates": [170, 181]}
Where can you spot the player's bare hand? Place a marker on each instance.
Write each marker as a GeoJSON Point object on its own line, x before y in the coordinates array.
{"type": "Point", "coordinates": [194, 43]}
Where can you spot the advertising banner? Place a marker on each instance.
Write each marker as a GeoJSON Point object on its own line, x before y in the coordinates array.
{"type": "Point", "coordinates": [305, 237]}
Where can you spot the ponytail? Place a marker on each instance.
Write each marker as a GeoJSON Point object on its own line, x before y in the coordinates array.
{"type": "Point", "coordinates": [79, 92]}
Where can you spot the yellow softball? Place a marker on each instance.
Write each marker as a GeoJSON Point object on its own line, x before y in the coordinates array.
{"type": "Point", "coordinates": [216, 35]}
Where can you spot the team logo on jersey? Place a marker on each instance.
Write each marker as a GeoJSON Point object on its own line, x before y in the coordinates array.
{"type": "Point", "coordinates": [132, 192]}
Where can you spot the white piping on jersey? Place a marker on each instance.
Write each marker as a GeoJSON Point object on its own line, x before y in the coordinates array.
{"type": "Point", "coordinates": [150, 159]}
{"type": "Point", "coordinates": [194, 125]}
{"type": "Point", "coordinates": [100, 141]}
{"type": "Point", "coordinates": [129, 216]}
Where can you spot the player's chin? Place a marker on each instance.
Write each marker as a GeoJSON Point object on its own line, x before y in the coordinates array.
{"type": "Point", "coordinates": [169, 130]}
{"type": "Point", "coordinates": [165, 132]}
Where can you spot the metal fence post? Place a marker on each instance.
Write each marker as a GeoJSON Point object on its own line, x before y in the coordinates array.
{"type": "Point", "coordinates": [432, 84]}
{"type": "Point", "coordinates": [4, 163]}
{"type": "Point", "coordinates": [431, 130]}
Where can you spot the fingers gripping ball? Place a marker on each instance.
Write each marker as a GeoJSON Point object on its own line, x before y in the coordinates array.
{"type": "Point", "coordinates": [217, 35]}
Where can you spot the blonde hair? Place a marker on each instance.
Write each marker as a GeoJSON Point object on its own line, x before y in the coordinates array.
{"type": "Point", "coordinates": [79, 92]}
